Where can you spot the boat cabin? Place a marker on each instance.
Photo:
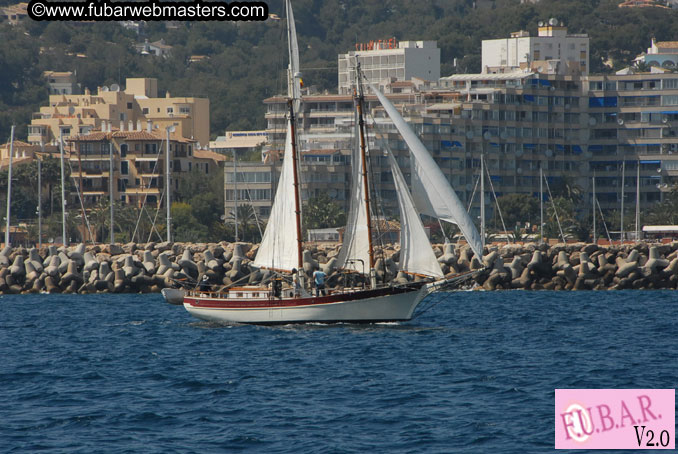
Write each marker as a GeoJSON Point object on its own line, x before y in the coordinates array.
{"type": "Point", "coordinates": [256, 293]}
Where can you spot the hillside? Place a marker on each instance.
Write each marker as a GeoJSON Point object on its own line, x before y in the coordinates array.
{"type": "Point", "coordinates": [246, 61]}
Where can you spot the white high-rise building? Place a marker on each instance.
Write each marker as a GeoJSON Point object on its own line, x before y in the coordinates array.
{"type": "Point", "coordinates": [554, 51]}
{"type": "Point", "coordinates": [387, 60]}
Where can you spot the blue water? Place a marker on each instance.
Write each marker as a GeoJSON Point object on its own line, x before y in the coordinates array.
{"type": "Point", "coordinates": [476, 373]}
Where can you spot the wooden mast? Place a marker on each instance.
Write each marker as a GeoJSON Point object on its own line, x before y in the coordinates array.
{"type": "Point", "coordinates": [361, 123]}
{"type": "Point", "coordinates": [297, 204]}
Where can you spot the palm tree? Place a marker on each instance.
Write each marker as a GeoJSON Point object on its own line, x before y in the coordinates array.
{"type": "Point", "coordinates": [248, 223]}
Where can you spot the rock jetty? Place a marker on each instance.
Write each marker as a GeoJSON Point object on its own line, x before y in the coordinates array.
{"type": "Point", "coordinates": [148, 268]}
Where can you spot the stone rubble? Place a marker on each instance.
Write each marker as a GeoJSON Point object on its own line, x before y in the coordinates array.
{"type": "Point", "coordinates": [148, 268]}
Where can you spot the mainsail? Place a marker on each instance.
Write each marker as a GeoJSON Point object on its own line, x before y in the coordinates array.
{"type": "Point", "coordinates": [278, 249]}
{"type": "Point", "coordinates": [415, 254]}
{"type": "Point", "coordinates": [443, 201]}
{"type": "Point", "coordinates": [354, 254]}
{"type": "Point", "coordinates": [280, 245]}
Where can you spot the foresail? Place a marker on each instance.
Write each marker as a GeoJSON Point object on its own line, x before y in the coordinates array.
{"type": "Point", "coordinates": [416, 255]}
{"type": "Point", "coordinates": [294, 89]}
{"type": "Point", "coordinates": [354, 254]}
{"type": "Point", "coordinates": [442, 199]}
{"type": "Point", "coordinates": [278, 249]}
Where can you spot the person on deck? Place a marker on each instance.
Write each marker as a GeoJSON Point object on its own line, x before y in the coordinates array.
{"type": "Point", "coordinates": [204, 284]}
{"type": "Point", "coordinates": [319, 280]}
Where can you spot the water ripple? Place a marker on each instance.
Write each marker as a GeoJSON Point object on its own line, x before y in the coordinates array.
{"type": "Point", "coordinates": [477, 373]}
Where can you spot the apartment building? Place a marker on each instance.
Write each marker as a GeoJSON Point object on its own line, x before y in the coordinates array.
{"type": "Point", "coordinates": [553, 51]}
{"type": "Point", "coordinates": [620, 129]}
{"type": "Point", "coordinates": [389, 59]}
{"type": "Point", "coordinates": [139, 169]}
{"type": "Point", "coordinates": [73, 114]}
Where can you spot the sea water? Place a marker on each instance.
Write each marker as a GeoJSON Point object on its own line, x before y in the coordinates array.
{"type": "Point", "coordinates": [475, 373]}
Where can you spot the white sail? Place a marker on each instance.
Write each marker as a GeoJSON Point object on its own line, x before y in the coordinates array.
{"type": "Point", "coordinates": [416, 255]}
{"type": "Point", "coordinates": [354, 254]}
{"type": "Point", "coordinates": [279, 246]}
{"type": "Point", "coordinates": [442, 199]}
{"type": "Point", "coordinates": [294, 78]}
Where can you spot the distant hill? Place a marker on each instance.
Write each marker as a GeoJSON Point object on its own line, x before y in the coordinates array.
{"type": "Point", "coordinates": [245, 61]}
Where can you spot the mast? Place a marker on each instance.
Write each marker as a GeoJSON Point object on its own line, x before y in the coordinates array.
{"type": "Point", "coordinates": [638, 202]}
{"type": "Point", "coordinates": [235, 194]}
{"type": "Point", "coordinates": [110, 184]}
{"type": "Point", "coordinates": [541, 203]}
{"type": "Point", "coordinates": [297, 204]}
{"type": "Point", "coordinates": [63, 189]}
{"type": "Point", "coordinates": [40, 200]}
{"type": "Point", "coordinates": [363, 158]}
{"type": "Point", "coordinates": [593, 179]}
{"type": "Point", "coordinates": [168, 188]}
{"type": "Point", "coordinates": [482, 197]}
{"type": "Point", "coordinates": [621, 231]}
{"type": "Point", "coordinates": [9, 187]}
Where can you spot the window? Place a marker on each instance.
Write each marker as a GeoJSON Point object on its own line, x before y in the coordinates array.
{"type": "Point", "coordinates": [184, 110]}
{"type": "Point", "coordinates": [129, 105]}
{"type": "Point", "coordinates": [144, 110]}
{"type": "Point", "coordinates": [170, 110]}
{"type": "Point", "coordinates": [123, 150]}
{"type": "Point", "coordinates": [124, 167]}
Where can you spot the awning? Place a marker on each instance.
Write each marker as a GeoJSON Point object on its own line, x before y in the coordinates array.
{"type": "Point", "coordinates": [650, 162]}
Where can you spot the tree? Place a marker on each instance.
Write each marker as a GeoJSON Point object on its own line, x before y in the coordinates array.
{"type": "Point", "coordinates": [249, 224]}
{"type": "Point", "coordinates": [518, 209]}
{"type": "Point", "coordinates": [321, 212]}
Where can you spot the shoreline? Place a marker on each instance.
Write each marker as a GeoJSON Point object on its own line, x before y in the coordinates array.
{"type": "Point", "coordinates": [150, 267]}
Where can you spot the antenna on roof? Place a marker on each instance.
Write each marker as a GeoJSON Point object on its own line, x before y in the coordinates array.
{"type": "Point", "coordinates": [540, 23]}
{"type": "Point", "coordinates": [115, 87]}
{"type": "Point", "coordinates": [553, 22]}
{"type": "Point", "coordinates": [105, 88]}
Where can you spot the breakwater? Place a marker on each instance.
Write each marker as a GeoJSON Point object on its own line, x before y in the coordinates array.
{"type": "Point", "coordinates": [148, 268]}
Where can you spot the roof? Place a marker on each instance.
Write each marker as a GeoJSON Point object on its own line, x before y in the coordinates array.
{"type": "Point", "coordinates": [499, 76]}
{"type": "Point", "coordinates": [57, 73]}
{"type": "Point", "coordinates": [207, 154]}
{"type": "Point", "coordinates": [660, 228]}
{"type": "Point", "coordinates": [161, 44]}
{"type": "Point", "coordinates": [96, 136]}
{"type": "Point", "coordinates": [17, 143]}
{"type": "Point", "coordinates": [667, 44]}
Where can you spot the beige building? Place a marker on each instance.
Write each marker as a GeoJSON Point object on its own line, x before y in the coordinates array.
{"type": "Point", "coordinates": [138, 103]}
{"type": "Point", "coordinates": [23, 153]}
{"type": "Point", "coordinates": [14, 14]}
{"type": "Point", "coordinates": [139, 157]}
{"type": "Point", "coordinates": [239, 142]}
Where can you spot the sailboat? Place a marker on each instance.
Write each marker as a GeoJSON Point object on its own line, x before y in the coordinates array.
{"type": "Point", "coordinates": [281, 249]}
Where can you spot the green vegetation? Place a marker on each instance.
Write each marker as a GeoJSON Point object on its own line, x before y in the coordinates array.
{"type": "Point", "coordinates": [247, 60]}
{"type": "Point", "coordinates": [321, 212]}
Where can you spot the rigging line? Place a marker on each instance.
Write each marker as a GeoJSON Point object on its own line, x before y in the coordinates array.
{"type": "Point", "coordinates": [473, 196]}
{"type": "Point", "coordinates": [143, 205]}
{"type": "Point", "coordinates": [256, 218]}
{"type": "Point", "coordinates": [495, 200]}
{"type": "Point", "coordinates": [555, 210]}
{"type": "Point", "coordinates": [150, 234]}
{"type": "Point", "coordinates": [82, 205]}
{"type": "Point", "coordinates": [609, 238]}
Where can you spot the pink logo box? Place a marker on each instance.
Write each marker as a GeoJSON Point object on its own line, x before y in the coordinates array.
{"type": "Point", "coordinates": [615, 418]}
